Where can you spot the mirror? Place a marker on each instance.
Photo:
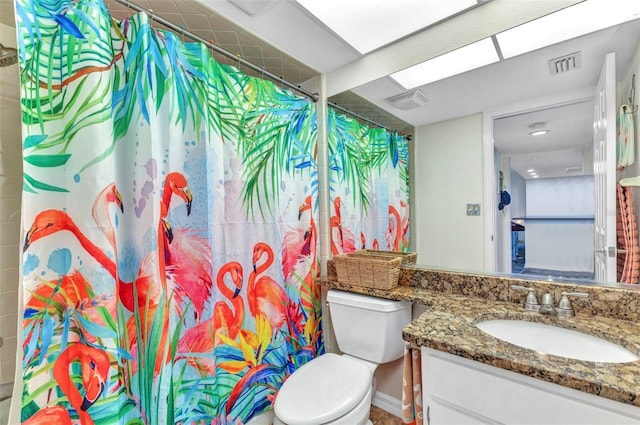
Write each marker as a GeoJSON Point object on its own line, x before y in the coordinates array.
{"type": "Point", "coordinates": [457, 232]}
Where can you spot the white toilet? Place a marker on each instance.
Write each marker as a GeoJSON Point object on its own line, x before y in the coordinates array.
{"type": "Point", "coordinates": [337, 389]}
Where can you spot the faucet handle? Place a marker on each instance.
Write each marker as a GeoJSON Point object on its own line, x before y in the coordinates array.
{"type": "Point", "coordinates": [565, 309]}
{"type": "Point", "coordinates": [530, 303]}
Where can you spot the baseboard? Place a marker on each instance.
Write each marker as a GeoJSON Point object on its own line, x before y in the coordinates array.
{"type": "Point", "coordinates": [387, 403]}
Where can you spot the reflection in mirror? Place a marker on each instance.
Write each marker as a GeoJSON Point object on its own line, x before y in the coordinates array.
{"type": "Point", "coordinates": [521, 80]}
{"type": "Point", "coordinates": [546, 162]}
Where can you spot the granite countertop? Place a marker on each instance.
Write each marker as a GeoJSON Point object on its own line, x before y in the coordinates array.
{"type": "Point", "coordinates": [448, 325]}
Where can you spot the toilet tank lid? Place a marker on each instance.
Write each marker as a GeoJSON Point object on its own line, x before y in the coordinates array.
{"type": "Point", "coordinates": [368, 302]}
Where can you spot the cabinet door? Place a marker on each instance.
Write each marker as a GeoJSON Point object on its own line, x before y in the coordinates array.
{"type": "Point", "coordinates": [461, 391]}
{"type": "Point", "coordinates": [442, 413]}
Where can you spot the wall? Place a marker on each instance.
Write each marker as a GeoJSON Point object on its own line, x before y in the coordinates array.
{"type": "Point", "coordinates": [10, 201]}
{"type": "Point", "coordinates": [563, 196]}
{"type": "Point", "coordinates": [448, 176]}
{"type": "Point", "coordinates": [565, 245]}
{"type": "Point", "coordinates": [518, 193]}
{"type": "Point", "coordinates": [560, 243]}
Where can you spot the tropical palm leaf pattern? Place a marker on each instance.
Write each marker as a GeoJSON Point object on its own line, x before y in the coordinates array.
{"type": "Point", "coordinates": [170, 205]}
{"type": "Point", "coordinates": [369, 186]}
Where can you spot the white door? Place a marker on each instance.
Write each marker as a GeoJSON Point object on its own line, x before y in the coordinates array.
{"type": "Point", "coordinates": [604, 170]}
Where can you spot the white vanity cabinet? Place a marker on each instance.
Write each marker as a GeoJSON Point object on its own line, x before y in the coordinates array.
{"type": "Point", "coordinates": [461, 391]}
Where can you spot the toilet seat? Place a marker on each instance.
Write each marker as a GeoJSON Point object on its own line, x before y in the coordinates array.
{"type": "Point", "coordinates": [323, 390]}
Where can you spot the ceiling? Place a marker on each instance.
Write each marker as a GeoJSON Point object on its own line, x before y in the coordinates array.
{"type": "Point", "coordinates": [306, 48]}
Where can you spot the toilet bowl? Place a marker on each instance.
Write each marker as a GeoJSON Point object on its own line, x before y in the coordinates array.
{"type": "Point", "coordinates": [337, 389]}
{"type": "Point", "coordinates": [330, 389]}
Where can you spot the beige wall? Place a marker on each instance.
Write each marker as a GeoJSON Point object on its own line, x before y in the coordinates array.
{"type": "Point", "coordinates": [448, 176]}
{"type": "Point", "coordinates": [10, 198]}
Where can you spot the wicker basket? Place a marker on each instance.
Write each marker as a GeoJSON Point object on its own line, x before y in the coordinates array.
{"type": "Point", "coordinates": [370, 270]}
{"type": "Point", "coordinates": [407, 257]}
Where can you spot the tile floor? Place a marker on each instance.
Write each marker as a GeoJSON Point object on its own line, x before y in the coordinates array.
{"type": "Point", "coordinates": [381, 417]}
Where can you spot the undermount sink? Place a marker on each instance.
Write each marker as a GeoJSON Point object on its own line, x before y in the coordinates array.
{"type": "Point", "coordinates": [557, 341]}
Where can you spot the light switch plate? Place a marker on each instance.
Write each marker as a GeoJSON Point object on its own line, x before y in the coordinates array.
{"type": "Point", "coordinates": [473, 209]}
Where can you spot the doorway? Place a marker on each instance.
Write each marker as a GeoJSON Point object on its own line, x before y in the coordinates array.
{"type": "Point", "coordinates": [546, 228]}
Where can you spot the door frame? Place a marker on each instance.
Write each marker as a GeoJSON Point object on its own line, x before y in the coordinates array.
{"type": "Point", "coordinates": [489, 181]}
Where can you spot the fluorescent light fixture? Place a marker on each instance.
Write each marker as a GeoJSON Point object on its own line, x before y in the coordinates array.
{"type": "Point", "coordinates": [464, 59]}
{"type": "Point", "coordinates": [370, 24]}
{"type": "Point", "coordinates": [580, 19]}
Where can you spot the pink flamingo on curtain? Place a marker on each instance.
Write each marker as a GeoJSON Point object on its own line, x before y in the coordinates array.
{"type": "Point", "coordinates": [265, 296]}
{"type": "Point", "coordinates": [187, 256]}
{"type": "Point", "coordinates": [95, 366]}
{"type": "Point", "coordinates": [346, 241]}
{"type": "Point", "coordinates": [393, 234]}
{"type": "Point", "coordinates": [404, 221]}
{"type": "Point", "coordinates": [146, 286]}
{"type": "Point", "coordinates": [203, 338]}
{"type": "Point", "coordinates": [363, 240]}
{"type": "Point", "coordinates": [74, 289]}
{"type": "Point", "coordinates": [299, 259]}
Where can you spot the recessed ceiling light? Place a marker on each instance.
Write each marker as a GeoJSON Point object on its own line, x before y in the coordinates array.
{"type": "Point", "coordinates": [538, 129]}
{"type": "Point", "coordinates": [530, 170]}
{"type": "Point", "coordinates": [538, 133]}
{"type": "Point", "coordinates": [368, 25]}
{"type": "Point", "coordinates": [456, 62]}
{"type": "Point", "coordinates": [574, 21]}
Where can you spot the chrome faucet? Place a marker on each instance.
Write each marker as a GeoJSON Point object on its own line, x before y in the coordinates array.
{"type": "Point", "coordinates": [547, 305]}
{"type": "Point", "coordinates": [564, 308]}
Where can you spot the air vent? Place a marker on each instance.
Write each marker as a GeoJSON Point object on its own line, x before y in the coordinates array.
{"type": "Point", "coordinates": [573, 170]}
{"type": "Point", "coordinates": [408, 100]}
{"type": "Point", "coordinates": [565, 63]}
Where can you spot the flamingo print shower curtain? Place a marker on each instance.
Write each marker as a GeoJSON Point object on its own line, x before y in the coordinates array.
{"type": "Point", "coordinates": [369, 187]}
{"type": "Point", "coordinates": [169, 209]}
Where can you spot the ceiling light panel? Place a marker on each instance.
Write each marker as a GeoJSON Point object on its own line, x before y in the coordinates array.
{"type": "Point", "coordinates": [464, 59]}
{"type": "Point", "coordinates": [370, 24]}
{"type": "Point", "coordinates": [571, 22]}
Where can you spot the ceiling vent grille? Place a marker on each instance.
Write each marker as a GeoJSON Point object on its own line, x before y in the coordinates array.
{"type": "Point", "coordinates": [408, 100]}
{"type": "Point", "coordinates": [565, 63]}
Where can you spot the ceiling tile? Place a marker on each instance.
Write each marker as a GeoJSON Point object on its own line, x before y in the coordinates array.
{"type": "Point", "coordinates": [190, 7]}
{"type": "Point", "coordinates": [271, 62]}
{"type": "Point", "coordinates": [251, 51]}
{"type": "Point", "coordinates": [164, 6]}
{"type": "Point", "coordinates": [196, 21]}
{"type": "Point", "coordinates": [229, 38]}
{"type": "Point", "coordinates": [231, 48]}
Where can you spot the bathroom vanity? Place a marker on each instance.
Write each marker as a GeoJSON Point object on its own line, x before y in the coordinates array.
{"type": "Point", "coordinates": [461, 391]}
{"type": "Point", "coordinates": [472, 377]}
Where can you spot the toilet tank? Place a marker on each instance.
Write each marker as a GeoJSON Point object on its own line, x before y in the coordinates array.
{"type": "Point", "coordinates": [367, 327]}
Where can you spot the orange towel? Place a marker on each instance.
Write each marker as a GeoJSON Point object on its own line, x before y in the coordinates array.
{"type": "Point", "coordinates": [627, 235]}
{"type": "Point", "coordinates": [412, 387]}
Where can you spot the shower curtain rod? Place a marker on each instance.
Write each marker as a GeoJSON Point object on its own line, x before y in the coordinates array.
{"type": "Point", "coordinates": [377, 124]}
{"type": "Point", "coordinates": [180, 30]}
{"type": "Point", "coordinates": [313, 96]}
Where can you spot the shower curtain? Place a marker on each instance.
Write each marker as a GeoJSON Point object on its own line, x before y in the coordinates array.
{"type": "Point", "coordinates": [369, 187]}
{"type": "Point", "coordinates": [169, 207]}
